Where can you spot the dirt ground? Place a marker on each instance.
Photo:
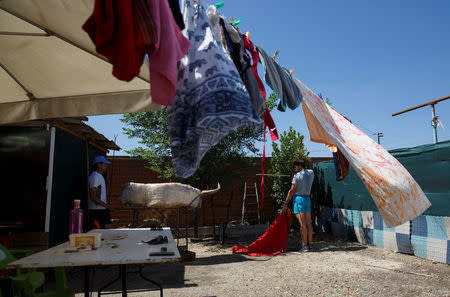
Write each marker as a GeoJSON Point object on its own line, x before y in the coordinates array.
{"type": "Point", "coordinates": [332, 268]}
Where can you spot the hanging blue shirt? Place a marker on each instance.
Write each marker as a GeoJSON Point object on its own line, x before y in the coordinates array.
{"type": "Point", "coordinates": [303, 179]}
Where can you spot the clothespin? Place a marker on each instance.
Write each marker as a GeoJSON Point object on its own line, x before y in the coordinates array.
{"type": "Point", "coordinates": [291, 71]}
{"type": "Point", "coordinates": [234, 23]}
{"type": "Point", "coordinates": [275, 54]}
{"type": "Point", "coordinates": [219, 4]}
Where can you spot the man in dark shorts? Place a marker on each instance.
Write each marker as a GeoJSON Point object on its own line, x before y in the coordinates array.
{"type": "Point", "coordinates": [300, 190]}
{"type": "Point", "coordinates": [98, 207]}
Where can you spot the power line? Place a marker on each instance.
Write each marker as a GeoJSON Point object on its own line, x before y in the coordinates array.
{"type": "Point", "coordinates": [361, 126]}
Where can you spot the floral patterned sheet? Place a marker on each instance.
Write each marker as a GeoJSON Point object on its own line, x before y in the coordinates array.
{"type": "Point", "coordinates": [395, 192]}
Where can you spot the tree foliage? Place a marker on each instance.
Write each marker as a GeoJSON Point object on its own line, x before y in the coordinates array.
{"type": "Point", "coordinates": [288, 149]}
{"type": "Point", "coordinates": [218, 164]}
{"type": "Point", "coordinates": [272, 101]}
{"type": "Point", "coordinates": [152, 131]}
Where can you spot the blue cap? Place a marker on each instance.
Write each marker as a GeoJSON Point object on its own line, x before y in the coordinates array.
{"type": "Point", "coordinates": [100, 159]}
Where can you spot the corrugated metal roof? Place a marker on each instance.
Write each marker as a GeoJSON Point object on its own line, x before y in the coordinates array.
{"type": "Point", "coordinates": [77, 127]}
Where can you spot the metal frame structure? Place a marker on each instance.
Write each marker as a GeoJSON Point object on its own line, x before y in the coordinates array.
{"type": "Point", "coordinates": [434, 118]}
{"type": "Point", "coordinates": [176, 231]}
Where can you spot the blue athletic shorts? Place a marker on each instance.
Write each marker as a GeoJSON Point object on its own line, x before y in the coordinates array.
{"type": "Point", "coordinates": [301, 204]}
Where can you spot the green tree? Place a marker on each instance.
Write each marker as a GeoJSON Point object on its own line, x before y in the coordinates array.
{"type": "Point", "coordinates": [288, 149]}
{"type": "Point", "coordinates": [220, 163]}
{"type": "Point", "coordinates": [272, 101]}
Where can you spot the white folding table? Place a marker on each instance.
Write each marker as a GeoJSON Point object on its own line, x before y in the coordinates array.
{"type": "Point", "coordinates": [119, 247]}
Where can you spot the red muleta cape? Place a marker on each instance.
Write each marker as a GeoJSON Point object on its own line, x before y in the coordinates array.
{"type": "Point", "coordinates": [272, 242]}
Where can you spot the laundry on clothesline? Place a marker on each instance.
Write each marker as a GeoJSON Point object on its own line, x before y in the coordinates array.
{"type": "Point", "coordinates": [267, 117]}
{"type": "Point", "coordinates": [341, 165]}
{"type": "Point", "coordinates": [236, 45]}
{"type": "Point", "coordinates": [396, 194]}
{"type": "Point", "coordinates": [126, 31]}
{"type": "Point", "coordinates": [208, 77]}
{"type": "Point", "coordinates": [117, 35]}
{"type": "Point", "coordinates": [172, 45]}
{"type": "Point", "coordinates": [233, 44]}
{"type": "Point", "coordinates": [280, 80]}
{"type": "Point", "coordinates": [211, 99]}
{"type": "Point", "coordinates": [175, 7]}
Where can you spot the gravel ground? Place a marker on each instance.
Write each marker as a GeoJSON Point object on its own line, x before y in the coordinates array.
{"type": "Point", "coordinates": [332, 268]}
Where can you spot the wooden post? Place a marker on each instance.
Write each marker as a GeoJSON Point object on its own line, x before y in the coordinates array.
{"type": "Point", "coordinates": [257, 204]}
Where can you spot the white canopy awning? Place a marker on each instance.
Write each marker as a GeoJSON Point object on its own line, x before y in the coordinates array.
{"type": "Point", "coordinates": [49, 67]}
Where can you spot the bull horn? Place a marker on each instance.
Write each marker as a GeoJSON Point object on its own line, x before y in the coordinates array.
{"type": "Point", "coordinates": [210, 192]}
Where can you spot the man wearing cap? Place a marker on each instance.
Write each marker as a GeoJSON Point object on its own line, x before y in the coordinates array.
{"type": "Point", "coordinates": [97, 204]}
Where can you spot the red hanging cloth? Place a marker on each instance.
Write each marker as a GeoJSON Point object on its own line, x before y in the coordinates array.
{"type": "Point", "coordinates": [248, 45]}
{"type": "Point", "coordinates": [272, 242]}
{"type": "Point", "coordinates": [268, 121]}
{"type": "Point", "coordinates": [263, 160]}
{"type": "Point", "coordinates": [117, 36]}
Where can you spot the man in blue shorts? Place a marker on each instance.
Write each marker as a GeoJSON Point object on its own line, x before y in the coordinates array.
{"type": "Point", "coordinates": [300, 190]}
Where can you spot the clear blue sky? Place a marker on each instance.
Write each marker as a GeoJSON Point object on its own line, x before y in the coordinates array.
{"type": "Point", "coordinates": [371, 58]}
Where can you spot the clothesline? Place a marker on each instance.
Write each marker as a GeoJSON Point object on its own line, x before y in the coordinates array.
{"type": "Point", "coordinates": [266, 174]}
{"type": "Point", "coordinates": [207, 76]}
{"type": "Point", "coordinates": [386, 179]}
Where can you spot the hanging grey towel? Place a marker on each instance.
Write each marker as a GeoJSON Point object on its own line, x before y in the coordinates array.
{"type": "Point", "coordinates": [211, 100]}
{"type": "Point", "coordinates": [280, 80]}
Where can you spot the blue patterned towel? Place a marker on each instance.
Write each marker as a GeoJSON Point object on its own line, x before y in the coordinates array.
{"type": "Point", "coordinates": [211, 100]}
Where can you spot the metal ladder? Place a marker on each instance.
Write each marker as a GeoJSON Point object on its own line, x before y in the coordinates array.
{"type": "Point", "coordinates": [246, 204]}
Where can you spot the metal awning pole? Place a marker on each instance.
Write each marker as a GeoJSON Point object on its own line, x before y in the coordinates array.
{"type": "Point", "coordinates": [434, 123]}
{"type": "Point", "coordinates": [434, 119]}
{"type": "Point", "coordinates": [51, 161]}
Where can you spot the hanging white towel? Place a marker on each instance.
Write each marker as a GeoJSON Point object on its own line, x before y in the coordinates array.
{"type": "Point", "coordinates": [395, 192]}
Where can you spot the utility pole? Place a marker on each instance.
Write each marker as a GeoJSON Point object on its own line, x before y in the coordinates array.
{"type": "Point", "coordinates": [434, 118]}
{"type": "Point", "coordinates": [379, 135]}
{"type": "Point", "coordinates": [434, 123]}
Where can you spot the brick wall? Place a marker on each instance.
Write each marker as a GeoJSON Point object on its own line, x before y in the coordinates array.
{"type": "Point", "coordinates": [125, 169]}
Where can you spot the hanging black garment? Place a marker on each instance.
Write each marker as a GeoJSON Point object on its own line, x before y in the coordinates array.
{"type": "Point", "coordinates": [175, 7]}
{"type": "Point", "coordinates": [242, 63]}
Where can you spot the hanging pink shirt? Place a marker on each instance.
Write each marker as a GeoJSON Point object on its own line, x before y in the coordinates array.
{"type": "Point", "coordinates": [165, 53]}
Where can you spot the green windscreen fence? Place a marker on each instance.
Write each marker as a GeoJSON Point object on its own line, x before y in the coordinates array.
{"type": "Point", "coordinates": [428, 164]}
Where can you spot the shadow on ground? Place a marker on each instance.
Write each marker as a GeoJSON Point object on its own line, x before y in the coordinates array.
{"type": "Point", "coordinates": [172, 275]}
{"type": "Point", "coordinates": [323, 243]}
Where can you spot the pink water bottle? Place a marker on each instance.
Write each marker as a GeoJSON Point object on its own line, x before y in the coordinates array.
{"type": "Point", "coordinates": [76, 218]}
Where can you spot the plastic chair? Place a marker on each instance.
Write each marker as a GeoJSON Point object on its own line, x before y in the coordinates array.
{"type": "Point", "coordinates": [61, 285]}
{"type": "Point", "coordinates": [25, 283]}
